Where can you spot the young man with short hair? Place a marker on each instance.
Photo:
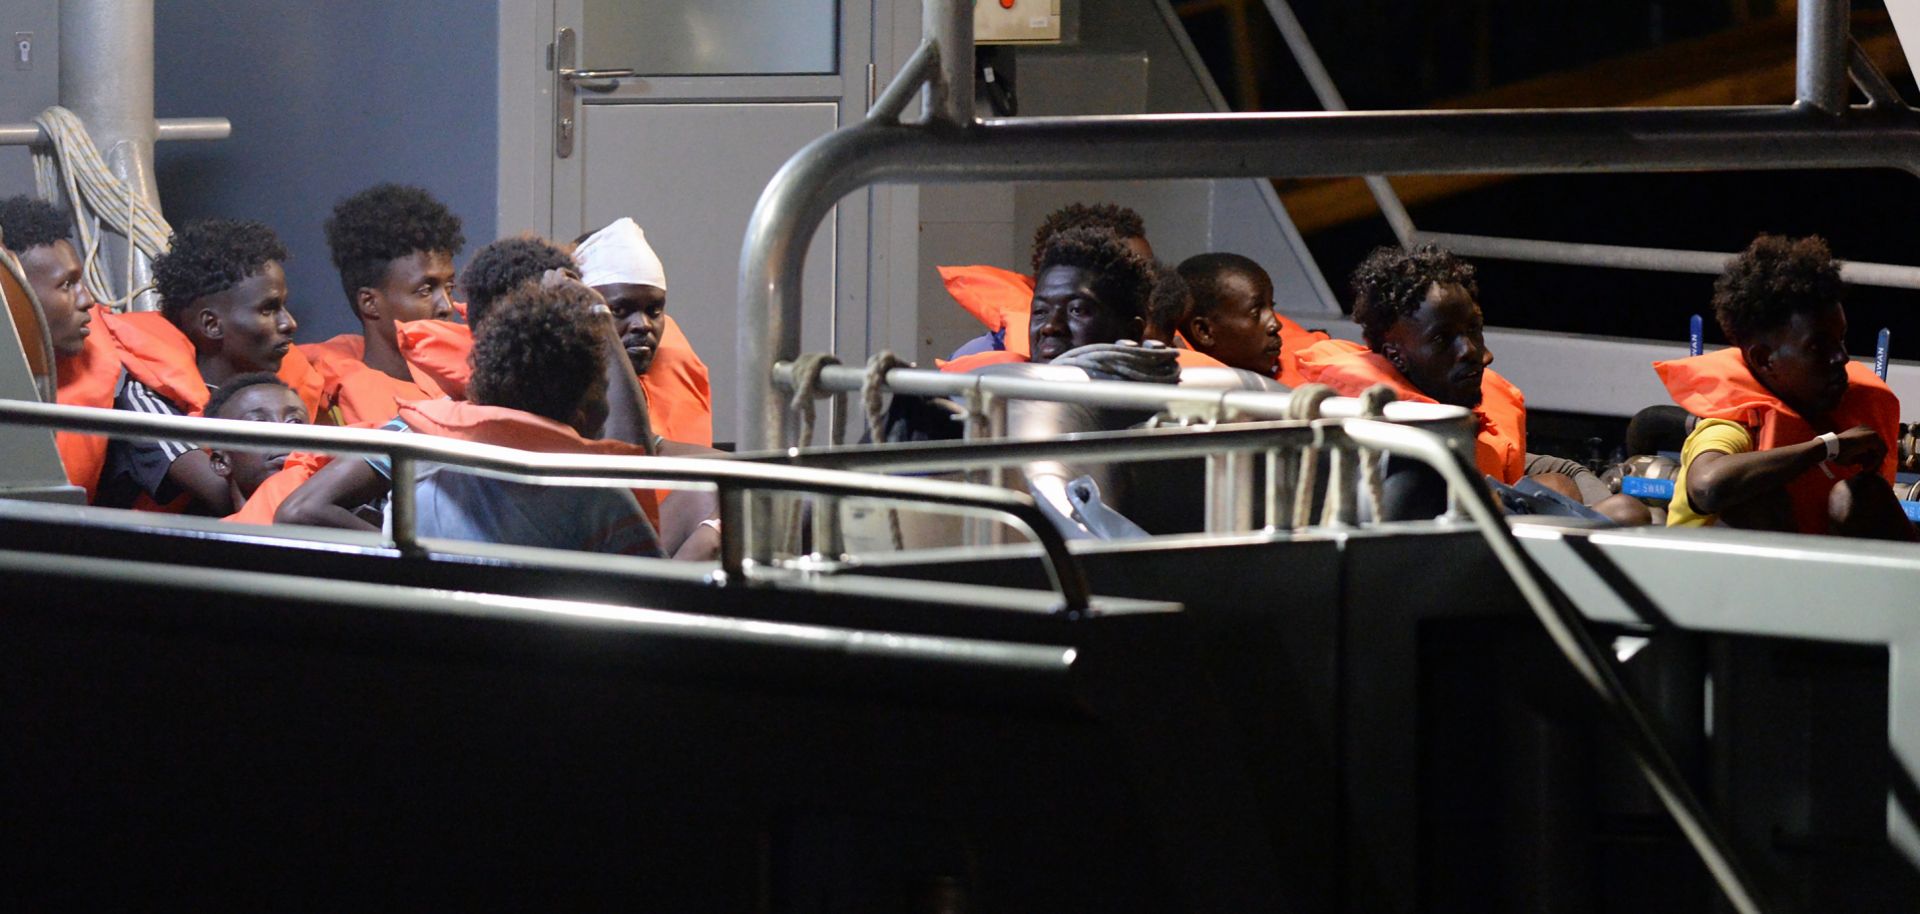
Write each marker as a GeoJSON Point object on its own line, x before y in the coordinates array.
{"type": "Point", "coordinates": [259, 481]}
{"type": "Point", "coordinates": [1233, 318]}
{"type": "Point", "coordinates": [1793, 435]}
{"type": "Point", "coordinates": [223, 300]}
{"type": "Point", "coordinates": [394, 247]}
{"type": "Point", "coordinates": [85, 366]}
{"type": "Point", "coordinates": [619, 264]}
{"type": "Point", "coordinates": [1090, 288]}
{"type": "Point", "coordinates": [1000, 298]}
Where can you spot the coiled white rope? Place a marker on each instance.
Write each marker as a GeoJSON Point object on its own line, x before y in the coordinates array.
{"type": "Point", "coordinates": [72, 163]}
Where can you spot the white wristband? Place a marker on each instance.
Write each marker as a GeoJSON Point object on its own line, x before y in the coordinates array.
{"type": "Point", "coordinates": [1833, 443]}
{"type": "Point", "coordinates": [713, 522]}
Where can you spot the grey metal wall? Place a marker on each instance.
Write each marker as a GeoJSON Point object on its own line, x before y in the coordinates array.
{"type": "Point", "coordinates": [26, 92]}
{"type": "Point", "coordinates": [327, 98]}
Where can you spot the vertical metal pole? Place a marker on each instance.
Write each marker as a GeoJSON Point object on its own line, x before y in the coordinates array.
{"type": "Point", "coordinates": [401, 509]}
{"type": "Point", "coordinates": [949, 25]}
{"type": "Point", "coordinates": [1821, 55]}
{"type": "Point", "coordinates": [735, 530]}
{"type": "Point", "coordinates": [106, 77]}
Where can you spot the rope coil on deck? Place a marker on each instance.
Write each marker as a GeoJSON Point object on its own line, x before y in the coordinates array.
{"type": "Point", "coordinates": [73, 164]}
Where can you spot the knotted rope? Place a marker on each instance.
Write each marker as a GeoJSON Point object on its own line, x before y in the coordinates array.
{"type": "Point", "coordinates": [1373, 405]}
{"type": "Point", "coordinates": [806, 389]}
{"type": "Point", "coordinates": [871, 388]}
{"type": "Point", "coordinates": [72, 163]}
{"type": "Point", "coordinates": [1305, 407]}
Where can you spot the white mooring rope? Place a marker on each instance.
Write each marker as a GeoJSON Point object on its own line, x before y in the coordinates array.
{"type": "Point", "coordinates": [72, 163]}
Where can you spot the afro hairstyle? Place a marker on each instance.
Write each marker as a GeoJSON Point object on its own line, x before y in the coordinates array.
{"type": "Point", "coordinates": [1168, 304]}
{"type": "Point", "coordinates": [502, 266]}
{"type": "Point", "coordinates": [1393, 282]}
{"type": "Point", "coordinates": [382, 224]}
{"type": "Point", "coordinates": [1123, 280]}
{"type": "Point", "coordinates": [1207, 273]}
{"type": "Point", "coordinates": [226, 392]}
{"type": "Point", "coordinates": [27, 223]}
{"type": "Point", "coordinates": [211, 256]}
{"type": "Point", "coordinates": [1121, 221]}
{"type": "Point", "coordinates": [1772, 280]}
{"type": "Point", "coordinates": [538, 351]}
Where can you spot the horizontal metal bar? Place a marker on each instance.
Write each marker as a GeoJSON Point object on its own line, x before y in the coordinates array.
{"type": "Point", "coordinates": [170, 128]}
{"type": "Point", "coordinates": [1250, 404]}
{"type": "Point", "coordinates": [1668, 260]}
{"type": "Point", "coordinates": [638, 621]}
{"type": "Point", "coordinates": [1255, 145]}
{"type": "Point", "coordinates": [579, 469]}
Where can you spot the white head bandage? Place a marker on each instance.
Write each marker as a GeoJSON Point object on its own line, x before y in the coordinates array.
{"type": "Point", "coordinates": [619, 253]}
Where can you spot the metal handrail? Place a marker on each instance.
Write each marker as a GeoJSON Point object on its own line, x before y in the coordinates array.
{"type": "Point", "coordinates": [1256, 145]}
{"type": "Point", "coordinates": [1568, 630]}
{"type": "Point", "coordinates": [733, 478]}
{"type": "Point", "coordinates": [1253, 404]}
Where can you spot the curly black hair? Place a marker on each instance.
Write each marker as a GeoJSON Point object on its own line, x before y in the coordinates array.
{"type": "Point", "coordinates": [1122, 279]}
{"type": "Point", "coordinates": [538, 352]}
{"type": "Point", "coordinates": [235, 385]}
{"type": "Point", "coordinates": [209, 257]}
{"type": "Point", "coordinates": [1206, 273]}
{"type": "Point", "coordinates": [1168, 304]}
{"type": "Point", "coordinates": [503, 265]}
{"type": "Point", "coordinates": [382, 224]}
{"type": "Point", "coordinates": [1121, 221]}
{"type": "Point", "coordinates": [1775, 278]}
{"type": "Point", "coordinates": [27, 223]}
{"type": "Point", "coordinates": [1393, 282]}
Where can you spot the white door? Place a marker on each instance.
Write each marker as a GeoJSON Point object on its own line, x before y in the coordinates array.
{"type": "Point", "coordinates": [722, 93]}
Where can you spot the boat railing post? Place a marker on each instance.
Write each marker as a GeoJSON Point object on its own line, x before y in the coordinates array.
{"type": "Point", "coordinates": [1820, 62]}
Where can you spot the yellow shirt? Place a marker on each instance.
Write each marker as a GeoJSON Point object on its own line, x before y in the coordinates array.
{"type": "Point", "coordinates": [1710, 435]}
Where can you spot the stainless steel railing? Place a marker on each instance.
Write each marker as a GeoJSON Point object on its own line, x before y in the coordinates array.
{"type": "Point", "coordinates": [734, 479]}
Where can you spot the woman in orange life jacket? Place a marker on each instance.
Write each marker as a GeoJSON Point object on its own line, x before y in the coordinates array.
{"type": "Point", "coordinates": [1793, 434]}
{"type": "Point", "coordinates": [223, 301]}
{"type": "Point", "coordinates": [394, 247]}
{"type": "Point", "coordinates": [84, 362]}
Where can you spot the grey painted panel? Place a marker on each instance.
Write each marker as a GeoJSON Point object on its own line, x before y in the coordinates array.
{"type": "Point", "coordinates": [327, 99]}
{"type": "Point", "coordinates": [690, 175]}
{"type": "Point", "coordinates": [25, 93]}
{"type": "Point", "coordinates": [677, 38]}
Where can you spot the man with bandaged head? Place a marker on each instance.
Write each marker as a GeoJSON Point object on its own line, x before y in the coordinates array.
{"type": "Point", "coordinates": [618, 263]}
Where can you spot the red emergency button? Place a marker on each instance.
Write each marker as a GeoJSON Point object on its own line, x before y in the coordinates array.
{"type": "Point", "coordinates": [1006, 4]}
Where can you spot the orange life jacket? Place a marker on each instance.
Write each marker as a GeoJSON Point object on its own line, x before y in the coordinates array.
{"type": "Point", "coordinates": [1001, 299]}
{"type": "Point", "coordinates": [1293, 339]}
{"type": "Point", "coordinates": [1500, 449]}
{"type": "Point", "coordinates": [354, 393]}
{"type": "Point", "coordinates": [1193, 358]}
{"type": "Point", "coordinates": [261, 505]}
{"type": "Point", "coordinates": [679, 393]}
{"type": "Point", "coordinates": [155, 353]}
{"type": "Point", "coordinates": [499, 425]}
{"type": "Point", "coordinates": [87, 379]}
{"type": "Point", "coordinates": [1719, 386]}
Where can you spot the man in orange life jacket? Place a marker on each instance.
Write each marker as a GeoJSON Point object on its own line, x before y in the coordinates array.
{"type": "Point", "coordinates": [619, 264]}
{"type": "Point", "coordinates": [259, 481]}
{"type": "Point", "coordinates": [84, 363]}
{"type": "Point", "coordinates": [540, 382]}
{"type": "Point", "coordinates": [394, 247]}
{"type": "Point", "coordinates": [1000, 298]}
{"type": "Point", "coordinates": [1090, 288]}
{"type": "Point", "coordinates": [222, 287]}
{"type": "Point", "coordinates": [1233, 318]}
{"type": "Point", "coordinates": [1793, 434]}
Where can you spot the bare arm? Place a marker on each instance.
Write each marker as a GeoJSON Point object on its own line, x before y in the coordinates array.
{"type": "Point", "coordinates": [681, 534]}
{"type": "Point", "coordinates": [328, 499]}
{"type": "Point", "coordinates": [1717, 481]}
{"type": "Point", "coordinates": [192, 472]}
{"type": "Point", "coordinates": [626, 406]}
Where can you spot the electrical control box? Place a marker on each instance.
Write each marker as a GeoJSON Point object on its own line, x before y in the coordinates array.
{"type": "Point", "coordinates": [1016, 21]}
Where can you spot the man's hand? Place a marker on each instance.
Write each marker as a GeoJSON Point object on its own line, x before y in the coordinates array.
{"type": "Point", "coordinates": [1862, 447]}
{"type": "Point", "coordinates": [561, 279]}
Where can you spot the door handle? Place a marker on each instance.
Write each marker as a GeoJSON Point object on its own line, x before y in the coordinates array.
{"type": "Point", "coordinates": [572, 75]}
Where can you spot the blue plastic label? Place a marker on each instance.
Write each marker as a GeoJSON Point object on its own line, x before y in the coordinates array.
{"type": "Point", "coordinates": [1642, 487]}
